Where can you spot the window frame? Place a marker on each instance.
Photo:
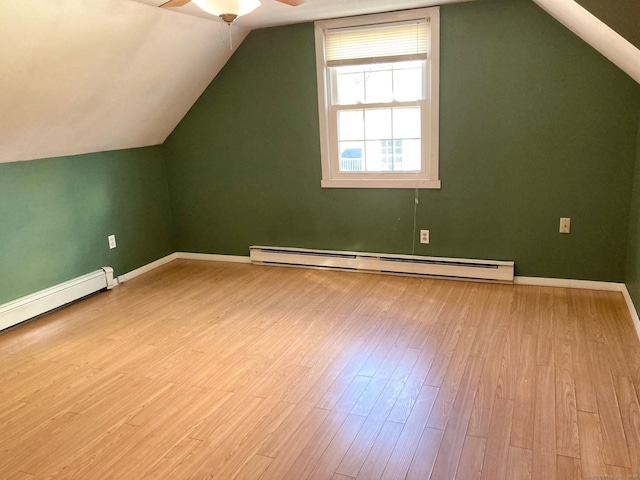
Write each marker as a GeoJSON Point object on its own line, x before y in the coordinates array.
{"type": "Point", "coordinates": [429, 177]}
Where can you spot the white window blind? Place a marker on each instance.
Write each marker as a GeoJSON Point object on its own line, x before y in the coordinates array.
{"type": "Point", "coordinates": [386, 42]}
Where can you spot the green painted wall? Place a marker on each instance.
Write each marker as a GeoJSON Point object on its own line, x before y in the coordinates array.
{"type": "Point", "coordinates": [55, 215]}
{"type": "Point", "coordinates": [632, 278]}
{"type": "Point", "coordinates": [535, 125]}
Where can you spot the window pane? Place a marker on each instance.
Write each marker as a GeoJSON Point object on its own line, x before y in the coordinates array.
{"type": "Point", "coordinates": [377, 123]}
{"type": "Point", "coordinates": [351, 156]}
{"type": "Point", "coordinates": [379, 86]}
{"type": "Point", "coordinates": [351, 125]}
{"type": "Point", "coordinates": [409, 159]}
{"type": "Point", "coordinates": [406, 122]}
{"type": "Point", "coordinates": [407, 84]}
{"type": "Point", "coordinates": [377, 161]}
{"type": "Point", "coordinates": [378, 83]}
{"type": "Point", "coordinates": [350, 87]}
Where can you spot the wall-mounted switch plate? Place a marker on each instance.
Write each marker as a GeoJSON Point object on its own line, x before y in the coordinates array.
{"type": "Point", "coordinates": [112, 241]}
{"type": "Point", "coordinates": [565, 225]}
{"type": "Point", "coordinates": [424, 236]}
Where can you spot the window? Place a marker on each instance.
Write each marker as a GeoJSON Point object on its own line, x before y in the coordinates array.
{"type": "Point", "coordinates": [378, 100]}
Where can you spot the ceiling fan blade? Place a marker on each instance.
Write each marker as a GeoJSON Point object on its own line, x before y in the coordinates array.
{"type": "Point", "coordinates": [293, 3]}
{"type": "Point", "coordinates": [174, 3]}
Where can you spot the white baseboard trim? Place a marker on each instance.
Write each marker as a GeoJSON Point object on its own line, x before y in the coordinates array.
{"type": "Point", "coordinates": [569, 283]}
{"type": "Point", "coordinates": [632, 310]}
{"type": "Point", "coordinates": [147, 268]}
{"type": "Point", "coordinates": [183, 256]}
{"type": "Point", "coordinates": [213, 257]}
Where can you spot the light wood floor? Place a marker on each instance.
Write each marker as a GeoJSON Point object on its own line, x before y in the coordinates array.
{"type": "Point", "coordinates": [225, 371]}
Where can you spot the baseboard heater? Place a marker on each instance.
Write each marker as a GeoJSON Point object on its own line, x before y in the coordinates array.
{"type": "Point", "coordinates": [49, 299]}
{"type": "Point", "coordinates": [454, 268]}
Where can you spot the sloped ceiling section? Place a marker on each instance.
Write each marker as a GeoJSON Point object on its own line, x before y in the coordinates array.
{"type": "Point", "coordinates": [621, 15]}
{"type": "Point", "coordinates": [80, 76]}
{"type": "Point", "coordinates": [596, 33]}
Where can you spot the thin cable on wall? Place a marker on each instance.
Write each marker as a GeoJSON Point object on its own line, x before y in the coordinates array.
{"type": "Point", "coordinates": [415, 211]}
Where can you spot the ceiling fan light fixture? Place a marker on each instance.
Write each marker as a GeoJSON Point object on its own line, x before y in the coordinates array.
{"type": "Point", "coordinates": [228, 10]}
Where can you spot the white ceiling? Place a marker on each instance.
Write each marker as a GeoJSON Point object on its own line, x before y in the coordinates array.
{"type": "Point", "coordinates": [80, 76]}
{"type": "Point", "coordinates": [273, 13]}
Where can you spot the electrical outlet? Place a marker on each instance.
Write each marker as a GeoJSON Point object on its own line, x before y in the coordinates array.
{"type": "Point", "coordinates": [424, 236]}
{"type": "Point", "coordinates": [112, 241]}
{"type": "Point", "coordinates": [565, 225]}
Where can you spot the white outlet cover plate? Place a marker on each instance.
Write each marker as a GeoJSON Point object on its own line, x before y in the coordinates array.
{"type": "Point", "coordinates": [424, 236]}
{"type": "Point", "coordinates": [112, 241]}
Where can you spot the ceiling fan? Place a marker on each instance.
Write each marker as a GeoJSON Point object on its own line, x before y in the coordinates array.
{"type": "Point", "coordinates": [227, 10]}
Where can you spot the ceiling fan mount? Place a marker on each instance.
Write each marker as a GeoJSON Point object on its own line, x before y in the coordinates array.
{"type": "Point", "coordinates": [227, 10]}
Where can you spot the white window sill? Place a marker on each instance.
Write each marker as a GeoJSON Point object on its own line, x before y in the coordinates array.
{"type": "Point", "coordinates": [386, 183]}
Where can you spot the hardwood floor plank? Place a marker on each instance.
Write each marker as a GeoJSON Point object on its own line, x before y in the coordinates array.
{"type": "Point", "coordinates": [613, 471]}
{"type": "Point", "coordinates": [472, 458]}
{"type": "Point", "coordinates": [484, 317]}
{"type": "Point", "coordinates": [178, 454]}
{"type": "Point", "coordinates": [520, 464]}
{"type": "Point", "coordinates": [527, 306]}
{"type": "Point", "coordinates": [335, 451]}
{"type": "Point", "coordinates": [488, 388]}
{"type": "Point", "coordinates": [616, 451]}
{"type": "Point", "coordinates": [544, 428]}
{"type": "Point", "coordinates": [518, 323]}
{"type": "Point", "coordinates": [497, 449]}
{"type": "Point", "coordinates": [568, 468]}
{"type": "Point", "coordinates": [451, 381]}
{"type": "Point", "coordinates": [626, 331]}
{"type": "Point", "coordinates": [400, 460]}
{"type": "Point", "coordinates": [563, 309]}
{"type": "Point", "coordinates": [567, 438]}
{"type": "Point", "coordinates": [370, 396]}
{"type": "Point", "coordinates": [591, 330]}
{"type": "Point", "coordinates": [376, 416]}
{"type": "Point", "coordinates": [231, 371]}
{"type": "Point", "coordinates": [544, 351]}
{"type": "Point", "coordinates": [630, 413]}
{"type": "Point", "coordinates": [453, 439]}
{"type": "Point", "coordinates": [407, 397]}
{"type": "Point", "coordinates": [288, 448]}
{"type": "Point", "coordinates": [99, 458]}
{"type": "Point", "coordinates": [525, 398]}
{"type": "Point", "coordinates": [633, 355]}
{"type": "Point", "coordinates": [586, 399]}
{"type": "Point", "coordinates": [591, 445]}
{"type": "Point", "coordinates": [380, 452]}
{"type": "Point", "coordinates": [425, 454]}
{"type": "Point", "coordinates": [253, 468]}
{"type": "Point", "coordinates": [311, 454]}
{"type": "Point", "coordinates": [615, 337]}
{"type": "Point", "coordinates": [229, 457]}
{"type": "Point", "coordinates": [22, 476]}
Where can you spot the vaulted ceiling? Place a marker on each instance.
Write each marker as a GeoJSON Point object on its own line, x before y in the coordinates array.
{"type": "Point", "coordinates": [79, 76]}
{"type": "Point", "coordinates": [621, 15]}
